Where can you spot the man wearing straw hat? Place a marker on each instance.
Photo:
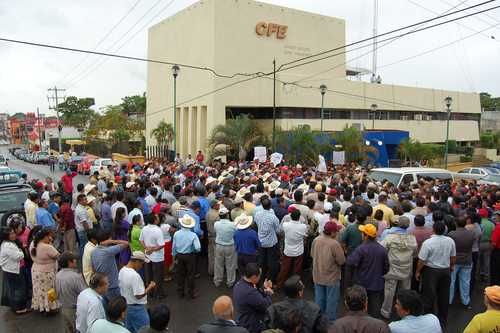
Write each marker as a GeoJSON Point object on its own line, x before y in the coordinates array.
{"type": "Point", "coordinates": [246, 241]}
{"type": "Point", "coordinates": [185, 245]}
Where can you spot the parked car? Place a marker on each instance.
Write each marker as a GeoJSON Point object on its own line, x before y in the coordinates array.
{"type": "Point", "coordinates": [495, 165]}
{"type": "Point", "coordinates": [398, 176]}
{"type": "Point", "coordinates": [12, 197]}
{"type": "Point", "coordinates": [475, 173]}
{"type": "Point", "coordinates": [41, 157]}
{"type": "Point", "coordinates": [86, 164]}
{"type": "Point", "coordinates": [490, 180]}
{"type": "Point", "coordinates": [100, 162]}
{"type": "Point", "coordinates": [73, 162]}
{"type": "Point", "coordinates": [4, 160]}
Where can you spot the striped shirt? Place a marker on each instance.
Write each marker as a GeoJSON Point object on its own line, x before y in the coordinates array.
{"type": "Point", "coordinates": [268, 226]}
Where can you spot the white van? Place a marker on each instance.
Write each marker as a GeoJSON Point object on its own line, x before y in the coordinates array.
{"type": "Point", "coordinates": [100, 162]}
{"type": "Point", "coordinates": [398, 176]}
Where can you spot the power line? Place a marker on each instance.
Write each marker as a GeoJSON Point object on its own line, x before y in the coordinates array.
{"type": "Point", "coordinates": [478, 18]}
{"type": "Point", "coordinates": [17, 41]}
{"type": "Point", "coordinates": [390, 32]}
{"type": "Point", "coordinates": [125, 43]}
{"type": "Point", "coordinates": [439, 47]}
{"type": "Point", "coordinates": [118, 40]}
{"type": "Point", "coordinates": [460, 24]}
{"type": "Point", "coordinates": [102, 39]}
{"type": "Point", "coordinates": [260, 75]}
{"type": "Point", "coordinates": [390, 38]}
{"type": "Point", "coordinates": [369, 52]}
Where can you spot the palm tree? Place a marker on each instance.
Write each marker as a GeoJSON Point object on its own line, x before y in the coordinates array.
{"type": "Point", "coordinates": [301, 145]}
{"type": "Point", "coordinates": [239, 134]}
{"type": "Point", "coordinates": [352, 141]}
{"type": "Point", "coordinates": [163, 133]}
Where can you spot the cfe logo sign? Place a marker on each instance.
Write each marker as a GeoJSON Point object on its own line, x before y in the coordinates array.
{"type": "Point", "coordinates": [268, 29]}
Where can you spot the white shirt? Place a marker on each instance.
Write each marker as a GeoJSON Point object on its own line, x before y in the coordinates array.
{"type": "Point", "coordinates": [81, 217]}
{"type": "Point", "coordinates": [151, 235]}
{"type": "Point", "coordinates": [295, 232]}
{"type": "Point", "coordinates": [30, 211]}
{"type": "Point", "coordinates": [322, 219]}
{"type": "Point", "coordinates": [89, 308]}
{"type": "Point", "coordinates": [10, 257]}
{"type": "Point", "coordinates": [343, 206]}
{"type": "Point", "coordinates": [131, 284]}
{"type": "Point", "coordinates": [87, 269]}
{"type": "Point", "coordinates": [437, 250]}
{"type": "Point", "coordinates": [117, 205]}
{"type": "Point", "coordinates": [151, 201]}
{"type": "Point", "coordinates": [45, 195]}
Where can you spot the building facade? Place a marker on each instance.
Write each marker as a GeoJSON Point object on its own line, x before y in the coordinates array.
{"type": "Point", "coordinates": [235, 36]}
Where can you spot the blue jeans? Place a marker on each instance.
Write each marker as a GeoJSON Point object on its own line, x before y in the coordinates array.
{"type": "Point", "coordinates": [463, 272]}
{"type": "Point", "coordinates": [82, 240]}
{"type": "Point", "coordinates": [136, 317]}
{"type": "Point", "coordinates": [327, 298]}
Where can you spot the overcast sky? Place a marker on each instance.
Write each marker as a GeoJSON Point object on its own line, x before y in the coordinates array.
{"type": "Point", "coordinates": [26, 72]}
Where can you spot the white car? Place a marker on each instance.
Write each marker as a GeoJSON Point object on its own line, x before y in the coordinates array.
{"type": "Point", "coordinates": [476, 173]}
{"type": "Point", "coordinates": [398, 176]}
{"type": "Point", "coordinates": [100, 162]}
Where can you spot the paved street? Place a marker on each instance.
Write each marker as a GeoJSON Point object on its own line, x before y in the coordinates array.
{"type": "Point", "coordinates": [186, 314]}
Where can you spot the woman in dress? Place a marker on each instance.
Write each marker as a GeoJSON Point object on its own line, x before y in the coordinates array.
{"type": "Point", "coordinates": [43, 272]}
{"type": "Point", "coordinates": [11, 262]}
{"type": "Point", "coordinates": [120, 232]}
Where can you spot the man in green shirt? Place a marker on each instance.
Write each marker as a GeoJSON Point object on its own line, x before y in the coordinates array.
{"type": "Point", "coordinates": [484, 244]}
{"type": "Point", "coordinates": [350, 239]}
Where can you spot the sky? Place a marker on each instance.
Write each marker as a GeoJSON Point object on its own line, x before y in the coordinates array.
{"type": "Point", "coordinates": [120, 26]}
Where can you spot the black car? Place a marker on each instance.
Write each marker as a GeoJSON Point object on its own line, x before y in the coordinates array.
{"type": "Point", "coordinates": [12, 199]}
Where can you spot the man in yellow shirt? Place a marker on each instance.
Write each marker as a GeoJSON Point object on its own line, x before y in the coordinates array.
{"type": "Point", "coordinates": [382, 205]}
{"type": "Point", "coordinates": [489, 321]}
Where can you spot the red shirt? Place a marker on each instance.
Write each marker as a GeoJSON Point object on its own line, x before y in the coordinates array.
{"type": "Point", "coordinates": [495, 237]}
{"type": "Point", "coordinates": [200, 158]}
{"type": "Point", "coordinates": [68, 182]}
{"type": "Point", "coordinates": [67, 217]}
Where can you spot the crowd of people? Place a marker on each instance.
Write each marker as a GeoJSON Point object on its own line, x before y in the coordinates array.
{"type": "Point", "coordinates": [389, 258]}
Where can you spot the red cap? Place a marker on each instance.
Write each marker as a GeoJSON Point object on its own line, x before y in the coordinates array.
{"type": "Point", "coordinates": [483, 212]}
{"type": "Point", "coordinates": [188, 174]}
{"type": "Point", "coordinates": [284, 168]}
{"type": "Point", "coordinates": [332, 191]}
{"type": "Point", "coordinates": [291, 209]}
{"type": "Point", "coordinates": [39, 185]}
{"type": "Point", "coordinates": [331, 227]}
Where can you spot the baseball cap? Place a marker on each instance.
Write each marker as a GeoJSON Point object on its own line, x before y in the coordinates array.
{"type": "Point", "coordinates": [332, 191]}
{"type": "Point", "coordinates": [369, 230]}
{"type": "Point", "coordinates": [331, 227]}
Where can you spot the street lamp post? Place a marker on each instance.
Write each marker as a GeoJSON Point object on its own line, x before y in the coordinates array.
{"type": "Point", "coordinates": [447, 101]}
{"type": "Point", "coordinates": [373, 109]}
{"type": "Point", "coordinates": [322, 89]}
{"type": "Point", "coordinates": [175, 72]}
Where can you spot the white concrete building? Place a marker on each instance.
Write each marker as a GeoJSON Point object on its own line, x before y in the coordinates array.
{"type": "Point", "coordinates": [244, 36]}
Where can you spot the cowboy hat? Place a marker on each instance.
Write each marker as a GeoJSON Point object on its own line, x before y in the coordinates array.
{"type": "Point", "coordinates": [88, 188]}
{"type": "Point", "coordinates": [210, 180]}
{"type": "Point", "coordinates": [241, 193]}
{"type": "Point", "coordinates": [243, 221]}
{"type": "Point", "coordinates": [187, 221]}
{"type": "Point", "coordinates": [274, 186]}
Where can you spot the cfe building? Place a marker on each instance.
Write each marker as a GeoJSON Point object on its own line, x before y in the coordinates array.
{"type": "Point", "coordinates": [237, 38]}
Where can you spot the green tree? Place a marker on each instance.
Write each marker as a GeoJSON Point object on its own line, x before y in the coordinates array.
{"type": "Point", "coordinates": [352, 142]}
{"type": "Point", "coordinates": [115, 126]}
{"type": "Point", "coordinates": [488, 102]}
{"type": "Point", "coordinates": [163, 133]}
{"type": "Point", "coordinates": [302, 145]}
{"type": "Point", "coordinates": [415, 151]}
{"type": "Point", "coordinates": [134, 105]}
{"type": "Point", "coordinates": [76, 112]}
{"type": "Point", "coordinates": [235, 138]}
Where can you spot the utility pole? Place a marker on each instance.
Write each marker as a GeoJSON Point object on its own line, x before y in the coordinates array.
{"type": "Point", "coordinates": [39, 128]}
{"type": "Point", "coordinates": [55, 107]}
{"type": "Point", "coordinates": [374, 78]}
{"type": "Point", "coordinates": [274, 105]}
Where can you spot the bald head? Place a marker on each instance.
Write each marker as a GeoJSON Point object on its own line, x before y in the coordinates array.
{"type": "Point", "coordinates": [223, 308]}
